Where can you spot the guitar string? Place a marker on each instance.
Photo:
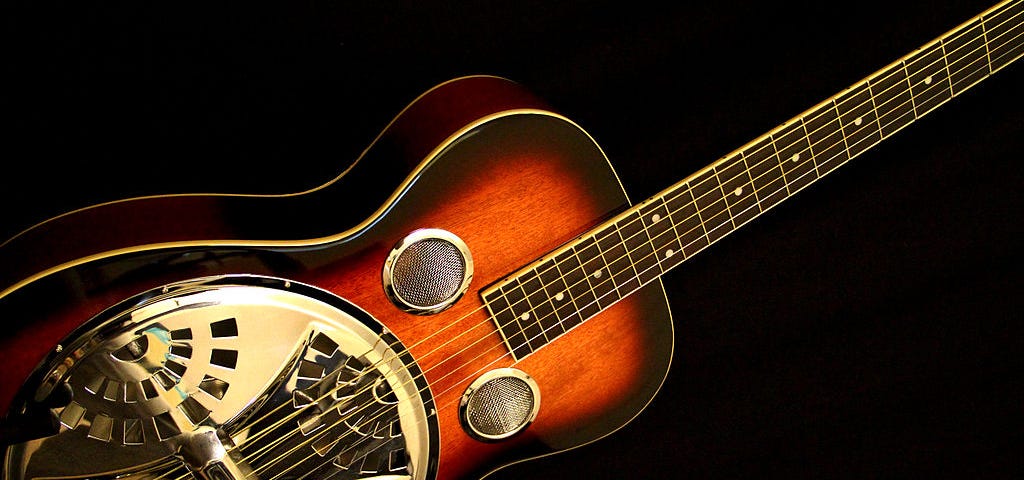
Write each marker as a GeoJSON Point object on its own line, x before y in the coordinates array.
{"type": "Point", "coordinates": [812, 144]}
{"type": "Point", "coordinates": [829, 159]}
{"type": "Point", "coordinates": [823, 126]}
{"type": "Point", "coordinates": [937, 84]}
{"type": "Point", "coordinates": [918, 96]}
{"type": "Point", "coordinates": [827, 124]}
{"type": "Point", "coordinates": [808, 172]}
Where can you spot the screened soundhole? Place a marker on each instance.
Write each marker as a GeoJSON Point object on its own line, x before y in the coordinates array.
{"type": "Point", "coordinates": [500, 406]}
{"type": "Point", "coordinates": [429, 272]}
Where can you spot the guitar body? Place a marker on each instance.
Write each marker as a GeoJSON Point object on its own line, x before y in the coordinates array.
{"type": "Point", "coordinates": [477, 157]}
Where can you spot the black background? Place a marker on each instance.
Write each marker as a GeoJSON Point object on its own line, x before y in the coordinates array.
{"type": "Point", "coordinates": [868, 327]}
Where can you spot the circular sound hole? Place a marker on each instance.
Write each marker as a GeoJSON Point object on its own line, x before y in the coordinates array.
{"type": "Point", "coordinates": [427, 271]}
{"type": "Point", "coordinates": [499, 404]}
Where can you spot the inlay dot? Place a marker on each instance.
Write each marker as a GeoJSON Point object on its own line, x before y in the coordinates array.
{"type": "Point", "coordinates": [738, 191]}
{"type": "Point", "coordinates": [928, 80]}
{"type": "Point", "coordinates": [795, 157]}
{"type": "Point", "coordinates": [525, 316]}
{"type": "Point", "coordinates": [669, 253]}
{"type": "Point", "coordinates": [858, 121]}
{"type": "Point", "coordinates": [559, 296]}
{"type": "Point", "coordinates": [597, 274]}
{"type": "Point", "coordinates": [655, 218]}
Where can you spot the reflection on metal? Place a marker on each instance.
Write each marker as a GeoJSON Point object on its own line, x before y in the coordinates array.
{"type": "Point", "coordinates": [227, 377]}
{"type": "Point", "coordinates": [427, 271]}
{"type": "Point", "coordinates": [499, 404]}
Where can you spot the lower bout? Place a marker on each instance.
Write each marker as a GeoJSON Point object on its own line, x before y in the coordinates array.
{"type": "Point", "coordinates": [591, 381]}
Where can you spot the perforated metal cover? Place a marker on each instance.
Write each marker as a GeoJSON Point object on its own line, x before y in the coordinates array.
{"type": "Point", "coordinates": [427, 271]}
{"type": "Point", "coordinates": [202, 366]}
{"type": "Point", "coordinates": [499, 404]}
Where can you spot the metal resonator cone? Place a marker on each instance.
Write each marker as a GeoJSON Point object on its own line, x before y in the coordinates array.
{"type": "Point", "coordinates": [265, 376]}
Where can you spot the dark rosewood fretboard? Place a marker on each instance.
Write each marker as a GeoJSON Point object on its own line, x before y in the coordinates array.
{"type": "Point", "coordinates": [542, 301]}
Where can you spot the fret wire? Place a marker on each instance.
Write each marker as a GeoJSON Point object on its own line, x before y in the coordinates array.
{"type": "Point", "coordinates": [649, 242]}
{"type": "Point", "coordinates": [543, 308]}
{"type": "Point", "coordinates": [566, 269]}
{"type": "Point", "coordinates": [640, 284]}
{"type": "Point", "coordinates": [778, 160]}
{"type": "Point", "coordinates": [874, 106]}
{"type": "Point", "coordinates": [1007, 9]}
{"type": "Point", "coordinates": [810, 146]}
{"type": "Point", "coordinates": [568, 303]}
{"type": "Point", "coordinates": [679, 237]}
{"type": "Point", "coordinates": [526, 297]}
{"type": "Point", "coordinates": [489, 303]}
{"type": "Point", "coordinates": [949, 76]}
{"type": "Point", "coordinates": [638, 242]}
{"type": "Point", "coordinates": [598, 269]}
{"type": "Point", "coordinates": [906, 76]}
{"type": "Point", "coordinates": [583, 271]}
{"type": "Point", "coordinates": [956, 35]}
{"type": "Point", "coordinates": [670, 231]}
{"type": "Point", "coordinates": [629, 256]}
{"type": "Point", "coordinates": [597, 298]}
{"type": "Point", "coordinates": [965, 56]}
{"type": "Point", "coordinates": [872, 99]}
{"type": "Point", "coordinates": [647, 212]}
{"type": "Point", "coordinates": [674, 222]}
{"type": "Point", "coordinates": [755, 189]}
{"type": "Point", "coordinates": [931, 95]}
{"type": "Point", "coordinates": [626, 247]}
{"type": "Point", "coordinates": [782, 168]}
{"type": "Point", "coordinates": [576, 310]}
{"type": "Point", "coordinates": [588, 288]}
{"type": "Point", "coordinates": [726, 202]}
{"type": "Point", "coordinates": [550, 298]}
{"type": "Point", "coordinates": [707, 220]}
{"type": "Point", "coordinates": [839, 119]}
{"type": "Point", "coordinates": [984, 36]}
{"type": "Point", "coordinates": [613, 289]}
{"type": "Point", "coordinates": [611, 275]}
{"type": "Point", "coordinates": [556, 265]}
{"type": "Point", "coordinates": [877, 122]}
{"type": "Point", "coordinates": [1009, 29]}
{"type": "Point", "coordinates": [750, 178]}
{"type": "Point", "coordinates": [501, 326]}
{"type": "Point", "coordinates": [656, 240]}
{"type": "Point", "coordinates": [522, 330]}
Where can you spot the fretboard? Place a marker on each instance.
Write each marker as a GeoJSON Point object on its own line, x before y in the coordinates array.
{"type": "Point", "coordinates": [544, 300]}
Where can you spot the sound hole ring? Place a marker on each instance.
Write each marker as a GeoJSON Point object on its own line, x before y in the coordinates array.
{"type": "Point", "coordinates": [483, 426]}
{"type": "Point", "coordinates": [397, 277]}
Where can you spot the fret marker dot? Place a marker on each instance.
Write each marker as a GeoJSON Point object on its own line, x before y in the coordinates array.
{"type": "Point", "coordinates": [655, 218]}
{"type": "Point", "coordinates": [525, 316]}
{"type": "Point", "coordinates": [795, 157]}
{"type": "Point", "coordinates": [928, 80]}
{"type": "Point", "coordinates": [858, 121]}
{"type": "Point", "coordinates": [669, 253]}
{"type": "Point", "coordinates": [597, 274]}
{"type": "Point", "coordinates": [738, 191]}
{"type": "Point", "coordinates": [559, 296]}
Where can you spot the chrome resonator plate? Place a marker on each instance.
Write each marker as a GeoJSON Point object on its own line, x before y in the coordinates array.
{"type": "Point", "coordinates": [274, 379]}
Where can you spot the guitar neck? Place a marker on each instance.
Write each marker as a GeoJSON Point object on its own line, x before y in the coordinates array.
{"type": "Point", "coordinates": [542, 301]}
